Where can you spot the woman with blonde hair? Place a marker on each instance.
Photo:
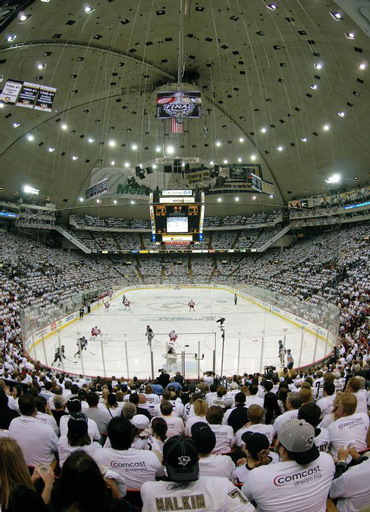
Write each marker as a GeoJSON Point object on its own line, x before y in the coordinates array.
{"type": "Point", "coordinates": [16, 485]}
{"type": "Point", "coordinates": [200, 409]}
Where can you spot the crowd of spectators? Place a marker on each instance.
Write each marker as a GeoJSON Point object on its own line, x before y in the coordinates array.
{"type": "Point", "coordinates": [238, 434]}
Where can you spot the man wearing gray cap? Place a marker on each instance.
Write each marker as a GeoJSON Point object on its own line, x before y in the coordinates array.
{"type": "Point", "coordinates": [301, 481]}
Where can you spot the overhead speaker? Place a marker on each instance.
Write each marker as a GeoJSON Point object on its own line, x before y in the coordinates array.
{"type": "Point", "coordinates": [167, 168]}
{"type": "Point", "coordinates": [149, 170]}
{"type": "Point", "coordinates": [177, 165]}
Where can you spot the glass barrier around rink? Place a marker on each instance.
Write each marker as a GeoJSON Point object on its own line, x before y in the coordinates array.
{"type": "Point", "coordinates": [245, 342]}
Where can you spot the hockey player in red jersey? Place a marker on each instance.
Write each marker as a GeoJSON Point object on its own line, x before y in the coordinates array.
{"type": "Point", "coordinates": [191, 305]}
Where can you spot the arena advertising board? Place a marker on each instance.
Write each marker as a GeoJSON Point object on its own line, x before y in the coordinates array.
{"type": "Point", "coordinates": [28, 95]}
{"type": "Point", "coordinates": [97, 189]}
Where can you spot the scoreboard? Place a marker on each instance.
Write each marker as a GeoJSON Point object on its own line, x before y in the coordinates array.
{"type": "Point", "coordinates": [177, 216]}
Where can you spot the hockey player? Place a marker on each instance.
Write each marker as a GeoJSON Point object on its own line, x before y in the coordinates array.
{"type": "Point", "coordinates": [123, 298]}
{"type": "Point", "coordinates": [281, 353]}
{"type": "Point", "coordinates": [58, 355]}
{"type": "Point", "coordinates": [149, 334]}
{"type": "Point", "coordinates": [235, 299]}
{"type": "Point", "coordinates": [95, 331]}
{"type": "Point", "coordinates": [81, 344]}
{"type": "Point", "coordinates": [173, 337]}
{"type": "Point", "coordinates": [127, 305]}
{"type": "Point", "coordinates": [106, 306]}
{"type": "Point", "coordinates": [82, 312]}
{"type": "Point", "coordinates": [191, 305]}
{"type": "Point", "coordinates": [289, 359]}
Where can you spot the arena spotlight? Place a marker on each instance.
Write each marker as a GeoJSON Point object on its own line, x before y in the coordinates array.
{"type": "Point", "coordinates": [30, 190]}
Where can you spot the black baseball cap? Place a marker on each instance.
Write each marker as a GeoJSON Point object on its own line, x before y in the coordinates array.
{"type": "Point", "coordinates": [255, 441]}
{"type": "Point", "coordinates": [204, 438]}
{"type": "Point", "coordinates": [240, 397]}
{"type": "Point", "coordinates": [77, 424]}
{"type": "Point", "coordinates": [181, 459]}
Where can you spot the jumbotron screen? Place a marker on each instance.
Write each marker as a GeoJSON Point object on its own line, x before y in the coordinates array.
{"type": "Point", "coordinates": [177, 216]}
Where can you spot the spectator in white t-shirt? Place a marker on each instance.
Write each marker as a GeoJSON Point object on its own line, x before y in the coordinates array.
{"type": "Point", "coordinates": [38, 442]}
{"type": "Point", "coordinates": [210, 464]}
{"type": "Point", "coordinates": [135, 466]}
{"type": "Point", "coordinates": [293, 403]}
{"type": "Point", "coordinates": [200, 411]}
{"type": "Point", "coordinates": [224, 433]}
{"type": "Point", "coordinates": [77, 439]}
{"type": "Point", "coordinates": [351, 484]}
{"type": "Point", "coordinates": [256, 448]}
{"type": "Point", "coordinates": [174, 423]}
{"type": "Point", "coordinates": [349, 427]}
{"type": "Point", "coordinates": [184, 489]}
{"type": "Point", "coordinates": [311, 414]}
{"type": "Point", "coordinates": [326, 402]}
{"type": "Point", "coordinates": [301, 481]}
{"type": "Point", "coordinates": [252, 397]}
{"type": "Point", "coordinates": [354, 386]}
{"type": "Point", "coordinates": [74, 407]}
{"type": "Point", "coordinates": [255, 416]}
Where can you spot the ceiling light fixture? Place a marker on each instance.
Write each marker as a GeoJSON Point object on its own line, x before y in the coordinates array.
{"type": "Point", "coordinates": [280, 148]}
{"type": "Point", "coordinates": [218, 143]}
{"type": "Point", "coordinates": [333, 179]}
{"type": "Point", "coordinates": [113, 162]}
{"type": "Point", "coordinates": [158, 149]}
{"type": "Point", "coordinates": [219, 199]}
{"type": "Point", "coordinates": [2, 105]}
{"type": "Point", "coordinates": [64, 126]}
{"type": "Point", "coordinates": [134, 146]}
{"type": "Point", "coordinates": [51, 149]}
{"type": "Point", "coordinates": [126, 164]}
{"type": "Point", "coordinates": [155, 166]}
{"type": "Point", "coordinates": [10, 38]}
{"type": "Point", "coordinates": [111, 143]}
{"type": "Point", "coordinates": [241, 139]}
{"type": "Point", "coordinates": [263, 130]}
{"type": "Point", "coordinates": [336, 15]}
{"type": "Point", "coordinates": [115, 201]}
{"type": "Point", "coordinates": [254, 198]}
{"type": "Point", "coordinates": [318, 65]}
{"type": "Point", "coordinates": [226, 162]}
{"type": "Point", "coordinates": [40, 66]}
{"type": "Point", "coordinates": [253, 157]}
{"type": "Point", "coordinates": [15, 124]}
{"type": "Point", "coordinates": [271, 196]}
{"type": "Point", "coordinates": [341, 114]}
{"type": "Point", "coordinates": [91, 140]}
{"type": "Point", "coordinates": [362, 65]}
{"type": "Point", "coordinates": [30, 137]}
{"type": "Point", "coordinates": [24, 17]}
{"type": "Point", "coordinates": [350, 35]}
{"type": "Point", "coordinates": [170, 150]}
{"type": "Point", "coordinates": [211, 163]}
{"type": "Point", "coordinates": [272, 7]}
{"type": "Point", "coordinates": [314, 87]}
{"type": "Point", "coordinates": [31, 190]}
{"type": "Point", "coordinates": [304, 139]}
{"type": "Point", "coordinates": [239, 160]}
{"type": "Point", "coordinates": [88, 9]}
{"type": "Point", "coordinates": [98, 201]}
{"type": "Point", "coordinates": [237, 198]}
{"type": "Point", "coordinates": [74, 157]}
{"type": "Point", "coordinates": [326, 127]}
{"type": "Point", "coordinates": [132, 201]}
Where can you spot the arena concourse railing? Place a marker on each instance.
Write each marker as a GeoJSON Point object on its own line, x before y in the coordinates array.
{"type": "Point", "coordinates": [310, 330]}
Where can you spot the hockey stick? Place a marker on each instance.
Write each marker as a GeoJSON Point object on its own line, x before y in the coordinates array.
{"type": "Point", "coordinates": [70, 360]}
{"type": "Point", "coordinates": [93, 353]}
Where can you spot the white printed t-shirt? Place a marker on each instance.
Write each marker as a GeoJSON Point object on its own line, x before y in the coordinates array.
{"type": "Point", "coordinates": [266, 430]}
{"type": "Point", "coordinates": [350, 429]}
{"type": "Point", "coordinates": [352, 488]}
{"type": "Point", "coordinates": [286, 416]}
{"type": "Point", "coordinates": [135, 466]}
{"type": "Point", "coordinates": [92, 427]}
{"type": "Point", "coordinates": [215, 494]}
{"type": "Point", "coordinates": [291, 487]}
{"type": "Point", "coordinates": [216, 465]}
{"type": "Point", "coordinates": [37, 441]}
{"type": "Point", "coordinates": [224, 438]}
{"type": "Point", "coordinates": [65, 450]}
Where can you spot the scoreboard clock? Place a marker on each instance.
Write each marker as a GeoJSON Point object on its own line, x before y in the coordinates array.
{"type": "Point", "coordinates": [177, 216]}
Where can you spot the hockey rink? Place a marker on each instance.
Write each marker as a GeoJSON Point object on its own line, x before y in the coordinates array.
{"type": "Point", "coordinates": [251, 335]}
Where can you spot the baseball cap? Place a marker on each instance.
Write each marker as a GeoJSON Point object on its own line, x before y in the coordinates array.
{"type": "Point", "coordinates": [140, 421]}
{"type": "Point", "coordinates": [298, 437]}
{"type": "Point", "coordinates": [204, 438]}
{"type": "Point", "coordinates": [255, 441]}
{"type": "Point", "coordinates": [228, 400]}
{"type": "Point", "coordinates": [77, 424]}
{"type": "Point", "coordinates": [181, 459]}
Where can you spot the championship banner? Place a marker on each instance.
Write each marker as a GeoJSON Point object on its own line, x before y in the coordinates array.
{"type": "Point", "coordinates": [11, 91]}
{"type": "Point", "coordinates": [27, 95]}
{"type": "Point", "coordinates": [45, 98]}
